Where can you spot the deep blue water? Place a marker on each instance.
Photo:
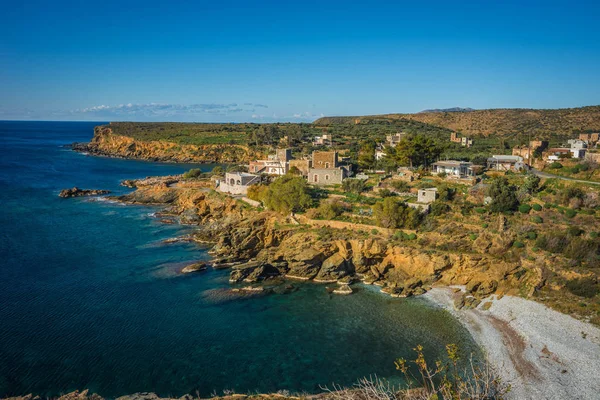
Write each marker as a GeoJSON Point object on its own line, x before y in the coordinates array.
{"type": "Point", "coordinates": [91, 298]}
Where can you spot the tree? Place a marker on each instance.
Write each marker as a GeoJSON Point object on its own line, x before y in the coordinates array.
{"type": "Point", "coordinates": [389, 162]}
{"type": "Point", "coordinates": [417, 150]}
{"type": "Point", "coordinates": [366, 155]}
{"type": "Point", "coordinates": [503, 195]}
{"type": "Point", "coordinates": [218, 170]}
{"type": "Point", "coordinates": [532, 183]}
{"type": "Point", "coordinates": [288, 193]}
{"type": "Point", "coordinates": [393, 213]}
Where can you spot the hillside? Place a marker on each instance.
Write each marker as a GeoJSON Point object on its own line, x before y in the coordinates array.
{"type": "Point", "coordinates": [499, 122]}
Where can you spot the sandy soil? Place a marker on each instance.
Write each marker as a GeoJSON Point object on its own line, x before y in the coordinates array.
{"type": "Point", "coordinates": [541, 353]}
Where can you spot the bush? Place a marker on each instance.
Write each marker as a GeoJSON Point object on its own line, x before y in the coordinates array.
{"type": "Point", "coordinates": [518, 245]}
{"type": "Point", "coordinates": [555, 165]}
{"type": "Point", "coordinates": [287, 194]}
{"type": "Point", "coordinates": [412, 236]}
{"type": "Point", "coordinates": [192, 173]}
{"type": "Point", "coordinates": [400, 186]}
{"type": "Point", "coordinates": [503, 195]}
{"type": "Point", "coordinates": [574, 231]}
{"type": "Point", "coordinates": [524, 208]}
{"type": "Point", "coordinates": [355, 186]}
{"type": "Point", "coordinates": [594, 235]}
{"type": "Point", "coordinates": [531, 235]}
{"type": "Point", "coordinates": [484, 225]}
{"type": "Point", "coordinates": [383, 193]}
{"type": "Point", "coordinates": [537, 219]}
{"type": "Point", "coordinates": [570, 213]}
{"type": "Point", "coordinates": [392, 213]}
{"type": "Point", "coordinates": [257, 192]}
{"type": "Point", "coordinates": [536, 207]}
{"type": "Point", "coordinates": [473, 236]}
{"type": "Point", "coordinates": [480, 210]}
{"type": "Point", "coordinates": [330, 210]}
{"type": "Point", "coordinates": [584, 287]}
{"type": "Point", "coordinates": [438, 208]}
{"type": "Point", "coordinates": [374, 232]}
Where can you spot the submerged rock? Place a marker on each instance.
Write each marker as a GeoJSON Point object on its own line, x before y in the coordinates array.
{"type": "Point", "coordinates": [344, 289]}
{"type": "Point", "coordinates": [196, 267]}
{"type": "Point", "coordinates": [76, 192]}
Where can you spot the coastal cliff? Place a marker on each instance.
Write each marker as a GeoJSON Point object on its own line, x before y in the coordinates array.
{"type": "Point", "coordinates": [106, 143]}
{"type": "Point", "coordinates": [260, 245]}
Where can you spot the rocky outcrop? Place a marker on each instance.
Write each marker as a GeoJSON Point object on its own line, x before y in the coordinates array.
{"type": "Point", "coordinates": [76, 192]}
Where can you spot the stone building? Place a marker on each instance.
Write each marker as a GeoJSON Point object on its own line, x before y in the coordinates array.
{"type": "Point", "coordinates": [590, 138]}
{"type": "Point", "coordinates": [303, 165]}
{"type": "Point", "coordinates": [237, 183]}
{"type": "Point", "coordinates": [464, 141]}
{"type": "Point", "coordinates": [275, 164]}
{"type": "Point", "coordinates": [324, 159]}
{"type": "Point", "coordinates": [505, 163]}
{"type": "Point", "coordinates": [326, 176]}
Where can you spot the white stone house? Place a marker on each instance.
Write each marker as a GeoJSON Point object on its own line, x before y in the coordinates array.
{"type": "Point", "coordinates": [237, 183]}
{"type": "Point", "coordinates": [453, 168]}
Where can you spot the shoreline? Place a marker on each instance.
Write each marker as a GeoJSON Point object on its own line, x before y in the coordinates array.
{"type": "Point", "coordinates": [541, 353]}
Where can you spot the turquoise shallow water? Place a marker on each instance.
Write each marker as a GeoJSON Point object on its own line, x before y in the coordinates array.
{"type": "Point", "coordinates": [91, 298]}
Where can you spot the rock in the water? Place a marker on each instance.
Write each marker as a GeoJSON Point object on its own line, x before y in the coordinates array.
{"type": "Point", "coordinates": [76, 192]}
{"type": "Point", "coordinates": [196, 267]}
{"type": "Point", "coordinates": [344, 289]}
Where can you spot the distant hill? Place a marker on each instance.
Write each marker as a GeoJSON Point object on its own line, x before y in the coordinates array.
{"type": "Point", "coordinates": [500, 122]}
{"type": "Point", "coordinates": [453, 109]}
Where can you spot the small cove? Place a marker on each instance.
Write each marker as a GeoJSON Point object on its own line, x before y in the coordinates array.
{"type": "Point", "coordinates": [90, 297]}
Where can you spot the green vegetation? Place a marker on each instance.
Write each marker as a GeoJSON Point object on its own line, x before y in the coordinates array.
{"type": "Point", "coordinates": [503, 195]}
{"type": "Point", "coordinates": [392, 213]}
{"type": "Point", "coordinates": [524, 208]}
{"type": "Point", "coordinates": [584, 287]}
{"type": "Point", "coordinates": [287, 194]}
{"type": "Point", "coordinates": [192, 173]}
{"type": "Point", "coordinates": [356, 186]}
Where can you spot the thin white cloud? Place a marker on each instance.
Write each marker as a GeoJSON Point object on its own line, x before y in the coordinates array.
{"type": "Point", "coordinates": [159, 109]}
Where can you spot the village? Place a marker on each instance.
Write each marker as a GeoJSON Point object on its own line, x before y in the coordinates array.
{"type": "Point", "coordinates": [327, 168]}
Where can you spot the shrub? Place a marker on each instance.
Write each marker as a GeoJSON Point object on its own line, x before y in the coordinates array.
{"type": "Point", "coordinates": [571, 192]}
{"type": "Point", "coordinates": [383, 193]}
{"type": "Point", "coordinates": [400, 186]}
{"type": "Point", "coordinates": [594, 235]}
{"type": "Point", "coordinates": [531, 235]}
{"type": "Point", "coordinates": [574, 231]}
{"type": "Point", "coordinates": [484, 225]}
{"type": "Point", "coordinates": [555, 165]}
{"type": "Point", "coordinates": [392, 213]}
{"type": "Point", "coordinates": [536, 207]}
{"type": "Point", "coordinates": [438, 208]}
{"type": "Point", "coordinates": [518, 244]}
{"type": "Point", "coordinates": [480, 210]}
{"type": "Point", "coordinates": [570, 213]}
{"type": "Point", "coordinates": [355, 186]}
{"type": "Point", "coordinates": [287, 194]}
{"type": "Point", "coordinates": [582, 250]}
{"type": "Point", "coordinates": [257, 192]}
{"type": "Point", "coordinates": [330, 210]}
{"type": "Point", "coordinates": [412, 236]}
{"type": "Point", "coordinates": [584, 287]}
{"type": "Point", "coordinates": [555, 242]}
{"type": "Point", "coordinates": [374, 232]}
{"type": "Point", "coordinates": [537, 219]}
{"type": "Point", "coordinates": [503, 195]}
{"type": "Point", "coordinates": [192, 173]}
{"type": "Point", "coordinates": [524, 208]}
{"type": "Point", "coordinates": [473, 236]}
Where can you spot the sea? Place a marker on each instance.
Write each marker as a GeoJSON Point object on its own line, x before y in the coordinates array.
{"type": "Point", "coordinates": [91, 296]}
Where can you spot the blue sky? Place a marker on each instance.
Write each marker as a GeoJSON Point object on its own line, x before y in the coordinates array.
{"type": "Point", "coordinates": [292, 61]}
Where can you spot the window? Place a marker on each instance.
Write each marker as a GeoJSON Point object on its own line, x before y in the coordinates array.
{"type": "Point", "coordinates": [232, 181]}
{"type": "Point", "coordinates": [326, 177]}
{"type": "Point", "coordinates": [316, 178]}
{"type": "Point", "coordinates": [326, 165]}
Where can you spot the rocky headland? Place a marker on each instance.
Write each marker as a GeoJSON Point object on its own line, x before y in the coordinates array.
{"type": "Point", "coordinates": [106, 143]}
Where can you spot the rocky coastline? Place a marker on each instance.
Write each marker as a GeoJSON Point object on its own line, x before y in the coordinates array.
{"type": "Point", "coordinates": [108, 144]}
{"type": "Point", "coordinates": [258, 246]}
